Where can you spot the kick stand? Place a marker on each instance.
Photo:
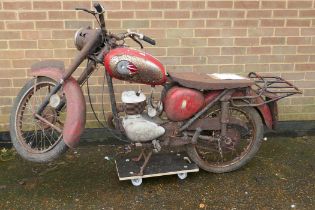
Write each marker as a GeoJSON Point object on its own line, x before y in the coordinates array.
{"type": "Point", "coordinates": [137, 159]}
{"type": "Point", "coordinates": [148, 165]}
{"type": "Point", "coordinates": [146, 160]}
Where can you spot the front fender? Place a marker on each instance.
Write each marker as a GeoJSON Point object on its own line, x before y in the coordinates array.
{"type": "Point", "coordinates": [75, 109]}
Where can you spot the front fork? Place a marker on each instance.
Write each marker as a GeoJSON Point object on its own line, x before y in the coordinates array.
{"type": "Point", "coordinates": [81, 80]}
{"type": "Point", "coordinates": [47, 98]}
{"type": "Point", "coordinates": [112, 99]}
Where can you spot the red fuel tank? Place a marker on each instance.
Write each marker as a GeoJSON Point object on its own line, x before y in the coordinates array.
{"type": "Point", "coordinates": [134, 66]}
{"type": "Point", "coordinates": [182, 103]}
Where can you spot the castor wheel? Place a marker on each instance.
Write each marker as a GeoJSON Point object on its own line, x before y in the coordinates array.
{"type": "Point", "coordinates": [182, 175]}
{"type": "Point", "coordinates": [136, 182]}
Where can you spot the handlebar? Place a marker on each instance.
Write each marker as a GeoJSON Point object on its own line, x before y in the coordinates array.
{"type": "Point", "coordinates": [148, 40]}
{"type": "Point", "coordinates": [134, 34]}
{"type": "Point", "coordinates": [100, 10]}
{"type": "Point", "coordinates": [98, 7]}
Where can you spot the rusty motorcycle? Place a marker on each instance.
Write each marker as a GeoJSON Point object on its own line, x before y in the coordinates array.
{"type": "Point", "coordinates": [218, 119]}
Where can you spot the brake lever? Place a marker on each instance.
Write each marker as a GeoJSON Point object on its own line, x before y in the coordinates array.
{"type": "Point", "coordinates": [86, 10]}
{"type": "Point", "coordinates": [136, 40]}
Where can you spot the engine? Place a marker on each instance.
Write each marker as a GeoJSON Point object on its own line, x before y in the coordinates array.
{"type": "Point", "coordinates": [137, 126]}
{"type": "Point", "coordinates": [140, 122]}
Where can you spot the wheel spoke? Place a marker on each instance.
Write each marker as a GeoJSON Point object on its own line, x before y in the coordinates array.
{"type": "Point", "coordinates": [231, 148]}
{"type": "Point", "coordinates": [38, 133]}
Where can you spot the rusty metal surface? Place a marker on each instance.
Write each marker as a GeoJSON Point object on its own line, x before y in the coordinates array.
{"type": "Point", "coordinates": [76, 113]}
{"type": "Point", "coordinates": [94, 41]}
{"type": "Point", "coordinates": [263, 109]}
{"type": "Point", "coordinates": [113, 103]}
{"type": "Point", "coordinates": [51, 72]}
{"type": "Point", "coordinates": [28, 126]}
{"type": "Point", "coordinates": [206, 124]}
{"type": "Point", "coordinates": [273, 107]}
{"type": "Point", "coordinates": [76, 108]}
{"type": "Point", "coordinates": [213, 123]}
{"type": "Point", "coordinates": [170, 129]}
{"type": "Point", "coordinates": [224, 117]}
{"type": "Point", "coordinates": [265, 112]}
{"type": "Point", "coordinates": [86, 72]}
{"type": "Point", "coordinates": [43, 119]}
{"type": "Point", "coordinates": [204, 110]}
{"type": "Point", "coordinates": [82, 37]}
{"type": "Point", "coordinates": [211, 95]}
{"type": "Point", "coordinates": [272, 88]}
{"type": "Point", "coordinates": [206, 82]}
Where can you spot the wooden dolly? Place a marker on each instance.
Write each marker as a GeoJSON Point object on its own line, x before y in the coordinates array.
{"type": "Point", "coordinates": [159, 165]}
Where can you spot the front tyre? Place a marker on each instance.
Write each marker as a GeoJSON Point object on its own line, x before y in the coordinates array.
{"type": "Point", "coordinates": [36, 140]}
{"type": "Point", "coordinates": [229, 153]}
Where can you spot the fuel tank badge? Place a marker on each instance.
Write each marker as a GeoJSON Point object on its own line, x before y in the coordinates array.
{"type": "Point", "coordinates": [126, 68]}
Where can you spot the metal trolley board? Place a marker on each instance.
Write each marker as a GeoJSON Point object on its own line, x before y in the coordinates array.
{"type": "Point", "coordinates": [159, 165]}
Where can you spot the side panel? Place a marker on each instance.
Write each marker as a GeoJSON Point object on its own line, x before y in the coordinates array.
{"type": "Point", "coordinates": [76, 108]}
{"type": "Point", "coordinates": [182, 103]}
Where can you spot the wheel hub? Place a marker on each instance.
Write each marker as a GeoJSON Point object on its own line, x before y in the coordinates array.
{"type": "Point", "coordinates": [231, 140]}
{"type": "Point", "coordinates": [50, 115]}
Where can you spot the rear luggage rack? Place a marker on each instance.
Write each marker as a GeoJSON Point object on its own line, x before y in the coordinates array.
{"type": "Point", "coordinates": [270, 88]}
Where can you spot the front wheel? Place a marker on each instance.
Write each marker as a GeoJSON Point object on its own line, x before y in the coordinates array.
{"type": "Point", "coordinates": [34, 139]}
{"type": "Point", "coordinates": [229, 153]}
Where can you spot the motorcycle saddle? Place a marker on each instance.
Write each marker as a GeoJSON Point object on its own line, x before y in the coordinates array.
{"type": "Point", "coordinates": [210, 81]}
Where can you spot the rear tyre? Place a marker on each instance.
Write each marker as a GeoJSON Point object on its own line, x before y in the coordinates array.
{"type": "Point", "coordinates": [32, 138]}
{"type": "Point", "coordinates": [235, 151]}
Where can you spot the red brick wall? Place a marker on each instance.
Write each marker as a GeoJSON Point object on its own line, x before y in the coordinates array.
{"type": "Point", "coordinates": [274, 37]}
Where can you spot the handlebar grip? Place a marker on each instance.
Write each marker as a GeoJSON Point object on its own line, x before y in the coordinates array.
{"type": "Point", "coordinates": [98, 7]}
{"type": "Point", "coordinates": [148, 39]}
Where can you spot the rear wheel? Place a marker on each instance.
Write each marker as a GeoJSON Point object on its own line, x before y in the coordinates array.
{"type": "Point", "coordinates": [34, 139]}
{"type": "Point", "coordinates": [229, 153]}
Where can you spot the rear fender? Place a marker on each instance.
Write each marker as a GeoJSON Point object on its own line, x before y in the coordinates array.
{"type": "Point", "coordinates": [273, 106]}
{"type": "Point", "coordinates": [264, 111]}
{"type": "Point", "coordinates": [76, 108]}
